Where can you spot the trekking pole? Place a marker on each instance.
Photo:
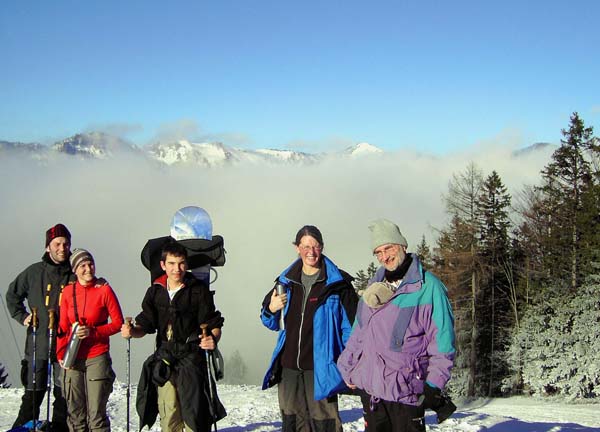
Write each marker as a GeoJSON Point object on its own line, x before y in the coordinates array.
{"type": "Point", "coordinates": [128, 321]}
{"type": "Point", "coordinates": [51, 317]}
{"type": "Point", "coordinates": [34, 325]}
{"type": "Point", "coordinates": [204, 328]}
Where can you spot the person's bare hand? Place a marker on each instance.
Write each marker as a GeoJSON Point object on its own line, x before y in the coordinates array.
{"type": "Point", "coordinates": [126, 330]}
{"type": "Point", "coordinates": [208, 343]}
{"type": "Point", "coordinates": [83, 331]}
{"type": "Point", "coordinates": [277, 301]}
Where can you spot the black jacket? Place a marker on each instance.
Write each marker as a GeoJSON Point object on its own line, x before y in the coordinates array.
{"type": "Point", "coordinates": [191, 306]}
{"type": "Point", "coordinates": [41, 284]}
{"type": "Point", "coordinates": [198, 410]}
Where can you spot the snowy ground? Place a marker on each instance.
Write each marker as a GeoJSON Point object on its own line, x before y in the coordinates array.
{"type": "Point", "coordinates": [250, 409]}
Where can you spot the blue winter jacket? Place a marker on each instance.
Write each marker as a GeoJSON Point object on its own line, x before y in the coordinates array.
{"type": "Point", "coordinates": [332, 325]}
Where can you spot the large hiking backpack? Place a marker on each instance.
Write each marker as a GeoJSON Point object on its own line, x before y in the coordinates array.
{"type": "Point", "coordinates": [192, 228]}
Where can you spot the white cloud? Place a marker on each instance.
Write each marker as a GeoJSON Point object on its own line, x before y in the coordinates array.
{"type": "Point", "coordinates": [113, 207]}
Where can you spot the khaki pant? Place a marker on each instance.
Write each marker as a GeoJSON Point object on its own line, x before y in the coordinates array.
{"type": "Point", "coordinates": [88, 384]}
{"type": "Point", "coordinates": [299, 410]}
{"type": "Point", "coordinates": [169, 408]}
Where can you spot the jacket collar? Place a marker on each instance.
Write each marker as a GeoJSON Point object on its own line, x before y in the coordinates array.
{"type": "Point", "coordinates": [188, 280]}
{"type": "Point", "coordinates": [329, 274]}
{"type": "Point", "coordinates": [413, 279]}
{"type": "Point", "coordinates": [63, 267]}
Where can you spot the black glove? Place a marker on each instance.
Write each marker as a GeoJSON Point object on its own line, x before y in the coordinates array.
{"type": "Point", "coordinates": [433, 397]}
{"type": "Point", "coordinates": [437, 401]}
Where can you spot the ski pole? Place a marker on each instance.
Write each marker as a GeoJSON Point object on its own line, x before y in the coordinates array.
{"type": "Point", "coordinates": [34, 326]}
{"type": "Point", "coordinates": [204, 328]}
{"type": "Point", "coordinates": [51, 317]}
{"type": "Point", "coordinates": [128, 321]}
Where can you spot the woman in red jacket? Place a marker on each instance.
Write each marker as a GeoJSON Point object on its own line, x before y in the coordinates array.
{"type": "Point", "coordinates": [93, 305]}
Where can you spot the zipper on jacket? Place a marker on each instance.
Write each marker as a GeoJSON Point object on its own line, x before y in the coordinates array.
{"type": "Point", "coordinates": [304, 300]}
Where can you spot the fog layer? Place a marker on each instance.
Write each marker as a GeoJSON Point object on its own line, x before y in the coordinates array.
{"type": "Point", "coordinates": [113, 207]}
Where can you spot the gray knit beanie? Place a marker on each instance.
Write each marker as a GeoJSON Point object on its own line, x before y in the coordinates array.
{"type": "Point", "coordinates": [79, 256]}
{"type": "Point", "coordinates": [385, 232]}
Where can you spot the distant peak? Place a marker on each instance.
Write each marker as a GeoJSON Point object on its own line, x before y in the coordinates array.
{"type": "Point", "coordinates": [362, 149]}
{"type": "Point", "coordinates": [534, 148]}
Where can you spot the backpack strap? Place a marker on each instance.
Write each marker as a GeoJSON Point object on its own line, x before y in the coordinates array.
{"type": "Point", "coordinates": [75, 301]}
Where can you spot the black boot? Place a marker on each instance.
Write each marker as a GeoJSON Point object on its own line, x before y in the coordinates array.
{"type": "Point", "coordinates": [59, 412]}
{"type": "Point", "coordinates": [26, 409]}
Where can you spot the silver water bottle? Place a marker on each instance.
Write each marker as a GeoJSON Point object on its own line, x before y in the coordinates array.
{"type": "Point", "coordinates": [281, 290]}
{"type": "Point", "coordinates": [72, 348]}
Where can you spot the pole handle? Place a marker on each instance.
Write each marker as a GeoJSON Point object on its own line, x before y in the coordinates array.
{"type": "Point", "coordinates": [34, 317]}
{"type": "Point", "coordinates": [204, 328]}
{"type": "Point", "coordinates": [51, 318]}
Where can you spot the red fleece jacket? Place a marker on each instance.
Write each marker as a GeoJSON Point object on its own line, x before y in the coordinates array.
{"type": "Point", "coordinates": [95, 304]}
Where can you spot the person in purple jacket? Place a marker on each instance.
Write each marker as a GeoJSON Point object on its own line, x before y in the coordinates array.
{"type": "Point", "coordinates": [401, 349]}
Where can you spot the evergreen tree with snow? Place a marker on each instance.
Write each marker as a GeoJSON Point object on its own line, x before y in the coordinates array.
{"type": "Point", "coordinates": [494, 307]}
{"type": "Point", "coordinates": [567, 188]}
{"type": "Point", "coordinates": [556, 349]}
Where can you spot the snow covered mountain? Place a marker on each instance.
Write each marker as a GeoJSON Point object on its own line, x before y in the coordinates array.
{"type": "Point", "coordinates": [19, 147]}
{"type": "Point", "coordinates": [99, 145]}
{"type": "Point", "coordinates": [363, 149]}
{"type": "Point", "coordinates": [185, 152]}
{"type": "Point", "coordinates": [217, 154]}
{"type": "Point", "coordinates": [96, 145]}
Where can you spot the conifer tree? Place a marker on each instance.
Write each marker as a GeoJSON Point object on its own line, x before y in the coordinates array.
{"type": "Point", "coordinates": [557, 347]}
{"type": "Point", "coordinates": [424, 253]}
{"type": "Point", "coordinates": [362, 278]}
{"type": "Point", "coordinates": [568, 183]}
{"type": "Point", "coordinates": [494, 307]}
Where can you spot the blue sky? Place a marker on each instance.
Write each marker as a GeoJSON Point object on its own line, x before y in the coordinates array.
{"type": "Point", "coordinates": [433, 75]}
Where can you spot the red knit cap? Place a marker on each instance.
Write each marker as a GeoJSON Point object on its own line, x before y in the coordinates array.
{"type": "Point", "coordinates": [58, 230]}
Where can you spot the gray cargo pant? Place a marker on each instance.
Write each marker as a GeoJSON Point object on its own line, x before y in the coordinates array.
{"type": "Point", "coordinates": [299, 410]}
{"type": "Point", "coordinates": [87, 386]}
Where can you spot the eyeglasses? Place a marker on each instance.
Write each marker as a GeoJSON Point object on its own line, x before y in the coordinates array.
{"type": "Point", "coordinates": [306, 248]}
{"type": "Point", "coordinates": [387, 250]}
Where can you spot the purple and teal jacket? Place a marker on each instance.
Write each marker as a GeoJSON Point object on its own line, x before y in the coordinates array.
{"type": "Point", "coordinates": [395, 348]}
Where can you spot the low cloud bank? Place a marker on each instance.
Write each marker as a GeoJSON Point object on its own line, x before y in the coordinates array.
{"type": "Point", "coordinates": [113, 207]}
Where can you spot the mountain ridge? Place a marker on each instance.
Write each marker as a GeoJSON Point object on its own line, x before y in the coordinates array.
{"type": "Point", "coordinates": [99, 145]}
{"type": "Point", "coordinates": [103, 146]}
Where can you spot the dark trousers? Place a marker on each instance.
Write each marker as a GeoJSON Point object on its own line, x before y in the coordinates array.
{"type": "Point", "coordinates": [392, 416]}
{"type": "Point", "coordinates": [300, 411]}
{"type": "Point", "coordinates": [59, 405]}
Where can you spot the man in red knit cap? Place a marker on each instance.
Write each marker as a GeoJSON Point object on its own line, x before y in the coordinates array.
{"type": "Point", "coordinates": [41, 285]}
